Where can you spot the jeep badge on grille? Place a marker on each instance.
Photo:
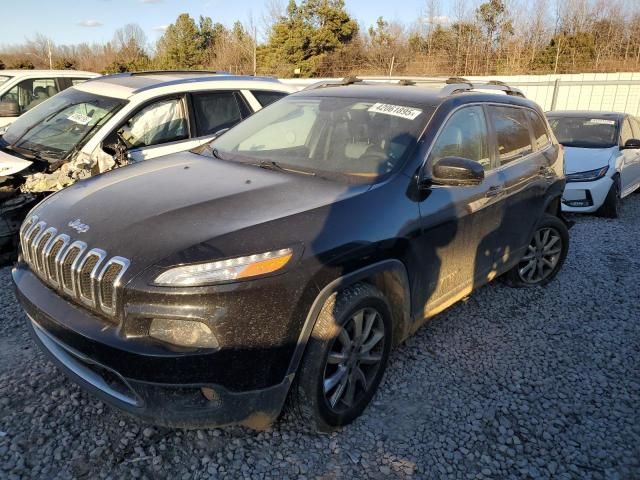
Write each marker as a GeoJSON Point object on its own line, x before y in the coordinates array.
{"type": "Point", "coordinates": [78, 226]}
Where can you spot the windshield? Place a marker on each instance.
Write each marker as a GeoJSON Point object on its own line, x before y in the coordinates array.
{"type": "Point", "coordinates": [355, 139]}
{"type": "Point", "coordinates": [585, 132]}
{"type": "Point", "coordinates": [3, 78]}
{"type": "Point", "coordinates": [61, 123]}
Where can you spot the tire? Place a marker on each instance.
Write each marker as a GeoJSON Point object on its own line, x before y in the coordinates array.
{"type": "Point", "coordinates": [543, 253]}
{"type": "Point", "coordinates": [612, 206]}
{"type": "Point", "coordinates": [327, 359]}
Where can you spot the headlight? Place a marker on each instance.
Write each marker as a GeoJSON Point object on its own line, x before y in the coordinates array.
{"type": "Point", "coordinates": [226, 270]}
{"type": "Point", "coordinates": [589, 176]}
{"type": "Point", "coordinates": [185, 333]}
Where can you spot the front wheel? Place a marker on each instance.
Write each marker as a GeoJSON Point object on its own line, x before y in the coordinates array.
{"type": "Point", "coordinates": [544, 256]}
{"type": "Point", "coordinates": [345, 359]}
{"type": "Point", "coordinates": [612, 206]}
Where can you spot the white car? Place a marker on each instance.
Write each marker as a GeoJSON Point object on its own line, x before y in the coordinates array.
{"type": "Point", "coordinates": [118, 119]}
{"type": "Point", "coordinates": [21, 90]}
{"type": "Point", "coordinates": [111, 121]}
{"type": "Point", "coordinates": [601, 157]}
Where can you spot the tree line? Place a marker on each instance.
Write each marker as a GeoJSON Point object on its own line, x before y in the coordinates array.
{"type": "Point", "coordinates": [321, 38]}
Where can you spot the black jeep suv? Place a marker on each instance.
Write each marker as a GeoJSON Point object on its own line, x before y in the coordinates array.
{"type": "Point", "coordinates": [286, 259]}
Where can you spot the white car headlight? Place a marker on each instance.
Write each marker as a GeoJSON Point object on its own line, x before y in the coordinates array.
{"type": "Point", "coordinates": [225, 270]}
{"type": "Point", "coordinates": [589, 176]}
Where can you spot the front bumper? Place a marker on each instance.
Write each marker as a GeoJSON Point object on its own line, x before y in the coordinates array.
{"type": "Point", "coordinates": [81, 345]}
{"type": "Point", "coordinates": [585, 197]}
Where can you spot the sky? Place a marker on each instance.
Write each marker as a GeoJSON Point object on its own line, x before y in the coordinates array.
{"type": "Point", "coordinates": [77, 21]}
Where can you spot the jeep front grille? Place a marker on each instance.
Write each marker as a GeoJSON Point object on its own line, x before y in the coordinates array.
{"type": "Point", "coordinates": [87, 275]}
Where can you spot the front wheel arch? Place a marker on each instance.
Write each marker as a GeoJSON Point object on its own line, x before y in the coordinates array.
{"type": "Point", "coordinates": [389, 276]}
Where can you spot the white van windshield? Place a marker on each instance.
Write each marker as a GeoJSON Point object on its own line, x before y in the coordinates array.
{"type": "Point", "coordinates": [60, 124]}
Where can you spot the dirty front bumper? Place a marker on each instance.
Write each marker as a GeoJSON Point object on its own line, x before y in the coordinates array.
{"type": "Point", "coordinates": [80, 344]}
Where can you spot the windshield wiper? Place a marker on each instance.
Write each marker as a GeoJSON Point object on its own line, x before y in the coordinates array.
{"type": "Point", "coordinates": [273, 165]}
{"type": "Point", "coordinates": [270, 165]}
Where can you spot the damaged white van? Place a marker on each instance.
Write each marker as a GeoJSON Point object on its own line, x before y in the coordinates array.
{"type": "Point", "coordinates": [114, 120]}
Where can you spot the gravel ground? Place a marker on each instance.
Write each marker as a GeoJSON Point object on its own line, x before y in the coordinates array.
{"type": "Point", "coordinates": [529, 383]}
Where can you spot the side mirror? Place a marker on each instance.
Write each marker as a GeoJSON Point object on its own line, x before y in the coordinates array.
{"type": "Point", "coordinates": [457, 171]}
{"type": "Point", "coordinates": [9, 109]}
{"type": "Point", "coordinates": [632, 143]}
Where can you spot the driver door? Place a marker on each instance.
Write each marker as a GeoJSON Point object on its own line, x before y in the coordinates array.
{"type": "Point", "coordinates": [458, 223]}
{"type": "Point", "coordinates": [157, 129]}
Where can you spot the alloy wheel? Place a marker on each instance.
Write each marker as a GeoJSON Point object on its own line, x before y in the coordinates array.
{"type": "Point", "coordinates": [542, 257]}
{"type": "Point", "coordinates": [354, 359]}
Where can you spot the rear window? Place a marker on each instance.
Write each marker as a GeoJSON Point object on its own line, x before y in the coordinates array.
{"type": "Point", "coordinates": [266, 97]}
{"type": "Point", "coordinates": [512, 133]}
{"type": "Point", "coordinates": [540, 134]}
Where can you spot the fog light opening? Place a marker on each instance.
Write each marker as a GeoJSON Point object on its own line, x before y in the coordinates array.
{"type": "Point", "coordinates": [183, 333]}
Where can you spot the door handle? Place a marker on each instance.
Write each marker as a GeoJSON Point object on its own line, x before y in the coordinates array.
{"type": "Point", "coordinates": [494, 191]}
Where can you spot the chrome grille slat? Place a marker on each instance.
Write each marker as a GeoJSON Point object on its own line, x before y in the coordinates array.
{"type": "Point", "coordinates": [87, 275]}
{"type": "Point", "coordinates": [33, 237]}
{"type": "Point", "coordinates": [71, 267]}
{"type": "Point", "coordinates": [108, 290]}
{"type": "Point", "coordinates": [24, 234]}
{"type": "Point", "coordinates": [41, 247]}
{"type": "Point", "coordinates": [53, 254]}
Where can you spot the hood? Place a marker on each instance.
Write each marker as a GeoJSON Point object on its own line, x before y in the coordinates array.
{"type": "Point", "coordinates": [584, 159]}
{"type": "Point", "coordinates": [150, 210]}
{"type": "Point", "coordinates": [10, 165]}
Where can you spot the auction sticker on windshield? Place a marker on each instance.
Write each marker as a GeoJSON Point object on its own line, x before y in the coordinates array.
{"type": "Point", "coordinates": [395, 110]}
{"type": "Point", "coordinates": [79, 118]}
{"type": "Point", "coordinates": [602, 121]}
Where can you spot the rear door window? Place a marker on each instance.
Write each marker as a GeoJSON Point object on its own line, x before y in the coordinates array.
{"type": "Point", "coordinates": [464, 135]}
{"type": "Point", "coordinates": [539, 128]}
{"type": "Point", "coordinates": [266, 97]}
{"type": "Point", "coordinates": [216, 111]}
{"type": "Point", "coordinates": [626, 132]}
{"type": "Point", "coordinates": [161, 122]}
{"type": "Point", "coordinates": [512, 133]}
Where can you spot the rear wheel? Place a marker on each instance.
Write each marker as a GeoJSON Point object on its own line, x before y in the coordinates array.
{"type": "Point", "coordinates": [612, 206]}
{"type": "Point", "coordinates": [544, 256]}
{"type": "Point", "coordinates": [345, 359]}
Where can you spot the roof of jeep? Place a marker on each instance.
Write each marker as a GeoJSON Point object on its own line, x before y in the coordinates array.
{"type": "Point", "coordinates": [420, 95]}
{"type": "Point", "coordinates": [125, 85]}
